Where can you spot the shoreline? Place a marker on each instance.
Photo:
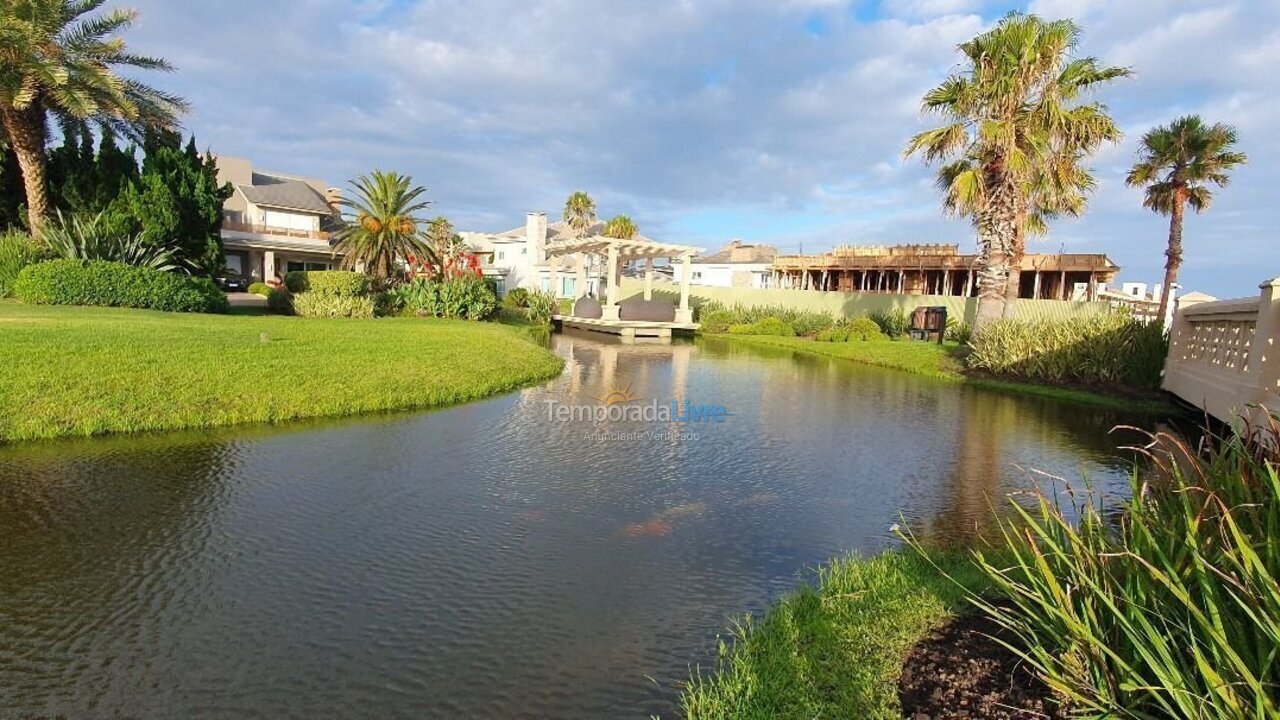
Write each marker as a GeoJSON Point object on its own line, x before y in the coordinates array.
{"type": "Point", "coordinates": [85, 372]}
{"type": "Point", "coordinates": [943, 365]}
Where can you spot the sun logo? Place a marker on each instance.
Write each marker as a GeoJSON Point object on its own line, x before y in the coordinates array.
{"type": "Point", "coordinates": [619, 397]}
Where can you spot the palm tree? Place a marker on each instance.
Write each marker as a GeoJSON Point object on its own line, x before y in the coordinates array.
{"type": "Point", "coordinates": [386, 230]}
{"type": "Point", "coordinates": [580, 213]}
{"type": "Point", "coordinates": [1177, 163]}
{"type": "Point", "coordinates": [56, 60]}
{"type": "Point", "coordinates": [621, 227]}
{"type": "Point", "coordinates": [1015, 139]}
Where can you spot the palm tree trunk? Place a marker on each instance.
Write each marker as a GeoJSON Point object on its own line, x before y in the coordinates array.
{"type": "Point", "coordinates": [1013, 287]}
{"type": "Point", "coordinates": [27, 135]}
{"type": "Point", "coordinates": [1172, 254]}
{"type": "Point", "coordinates": [997, 240]}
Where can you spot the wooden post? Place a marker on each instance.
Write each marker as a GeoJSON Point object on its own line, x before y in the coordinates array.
{"type": "Point", "coordinates": [555, 276]}
{"type": "Point", "coordinates": [1062, 284]}
{"type": "Point", "coordinates": [648, 278]}
{"type": "Point", "coordinates": [580, 280]}
{"type": "Point", "coordinates": [968, 284]}
{"type": "Point", "coordinates": [946, 282]}
{"type": "Point", "coordinates": [902, 281]}
{"type": "Point", "coordinates": [1035, 290]}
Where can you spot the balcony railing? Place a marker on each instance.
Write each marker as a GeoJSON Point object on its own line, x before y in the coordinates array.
{"type": "Point", "coordinates": [270, 230]}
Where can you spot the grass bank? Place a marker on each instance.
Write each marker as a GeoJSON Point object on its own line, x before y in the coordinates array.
{"type": "Point", "coordinates": [835, 648]}
{"type": "Point", "coordinates": [87, 371]}
{"type": "Point", "coordinates": [945, 362]}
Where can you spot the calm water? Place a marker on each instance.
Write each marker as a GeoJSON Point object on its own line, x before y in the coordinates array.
{"type": "Point", "coordinates": [485, 561]}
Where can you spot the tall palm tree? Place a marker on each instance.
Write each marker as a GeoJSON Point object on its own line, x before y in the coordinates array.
{"type": "Point", "coordinates": [1177, 164]}
{"type": "Point", "coordinates": [1015, 139]}
{"type": "Point", "coordinates": [56, 59]}
{"type": "Point", "coordinates": [579, 213]}
{"type": "Point", "coordinates": [386, 229]}
{"type": "Point", "coordinates": [621, 227]}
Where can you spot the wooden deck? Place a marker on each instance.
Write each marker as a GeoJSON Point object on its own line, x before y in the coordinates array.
{"type": "Point", "coordinates": [627, 329]}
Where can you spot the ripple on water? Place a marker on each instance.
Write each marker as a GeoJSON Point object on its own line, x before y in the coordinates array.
{"type": "Point", "coordinates": [483, 561]}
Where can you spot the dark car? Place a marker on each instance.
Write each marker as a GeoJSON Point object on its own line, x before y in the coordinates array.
{"type": "Point", "coordinates": [232, 281]}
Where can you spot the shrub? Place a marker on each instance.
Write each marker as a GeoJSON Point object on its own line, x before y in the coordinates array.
{"type": "Point", "coordinates": [808, 323]}
{"type": "Point", "coordinates": [540, 306]}
{"type": "Point", "coordinates": [1169, 607]}
{"type": "Point", "coordinates": [99, 237]}
{"type": "Point", "coordinates": [893, 323]}
{"type": "Point", "coordinates": [17, 250]}
{"type": "Point", "coordinates": [864, 329]}
{"type": "Point", "coordinates": [766, 326]}
{"type": "Point", "coordinates": [802, 322]}
{"type": "Point", "coordinates": [958, 331]}
{"type": "Point", "coordinates": [280, 300]}
{"type": "Point", "coordinates": [516, 298]}
{"type": "Point", "coordinates": [260, 288]}
{"type": "Point", "coordinates": [717, 321]}
{"type": "Point", "coordinates": [465, 297]}
{"type": "Point", "coordinates": [1110, 349]}
{"type": "Point", "coordinates": [319, 304]}
{"type": "Point", "coordinates": [332, 283]}
{"type": "Point", "coordinates": [835, 334]}
{"type": "Point", "coordinates": [114, 284]}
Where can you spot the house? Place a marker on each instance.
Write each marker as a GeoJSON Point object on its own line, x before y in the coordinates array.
{"type": "Point", "coordinates": [938, 270]}
{"type": "Point", "coordinates": [518, 257]}
{"type": "Point", "coordinates": [275, 223]}
{"type": "Point", "coordinates": [735, 265]}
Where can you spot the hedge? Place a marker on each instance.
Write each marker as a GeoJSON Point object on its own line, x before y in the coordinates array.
{"type": "Point", "coordinates": [113, 284]}
{"type": "Point", "coordinates": [330, 283]}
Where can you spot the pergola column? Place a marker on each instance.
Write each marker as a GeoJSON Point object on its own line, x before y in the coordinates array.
{"type": "Point", "coordinates": [683, 313]}
{"type": "Point", "coordinates": [648, 278]}
{"type": "Point", "coordinates": [610, 309]}
{"type": "Point", "coordinates": [580, 280]}
{"type": "Point", "coordinates": [268, 265]}
{"type": "Point", "coordinates": [555, 276]}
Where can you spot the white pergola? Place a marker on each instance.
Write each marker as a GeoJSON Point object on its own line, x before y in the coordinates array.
{"type": "Point", "coordinates": [619, 251]}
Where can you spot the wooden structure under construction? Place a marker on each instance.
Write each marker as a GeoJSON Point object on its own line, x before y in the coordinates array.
{"type": "Point", "coordinates": [937, 270]}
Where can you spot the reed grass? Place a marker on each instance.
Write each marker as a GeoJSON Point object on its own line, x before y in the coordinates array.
{"type": "Point", "coordinates": [1111, 349]}
{"type": "Point", "coordinates": [1166, 605]}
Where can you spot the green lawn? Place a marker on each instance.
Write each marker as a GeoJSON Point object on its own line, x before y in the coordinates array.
{"type": "Point", "coordinates": [834, 649]}
{"type": "Point", "coordinates": [85, 371]}
{"type": "Point", "coordinates": [945, 363]}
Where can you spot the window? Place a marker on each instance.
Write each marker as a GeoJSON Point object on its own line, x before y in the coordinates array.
{"type": "Point", "coordinates": [500, 286]}
{"type": "Point", "coordinates": [546, 284]}
{"type": "Point", "coordinates": [697, 275]}
{"type": "Point", "coordinates": [524, 251]}
{"type": "Point", "coordinates": [297, 266]}
{"type": "Point", "coordinates": [502, 254]}
{"type": "Point", "coordinates": [567, 286]}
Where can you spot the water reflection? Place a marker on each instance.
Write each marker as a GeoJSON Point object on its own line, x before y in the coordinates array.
{"type": "Point", "coordinates": [486, 561]}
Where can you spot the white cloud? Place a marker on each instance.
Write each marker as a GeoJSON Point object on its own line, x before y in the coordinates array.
{"type": "Point", "coordinates": [673, 109]}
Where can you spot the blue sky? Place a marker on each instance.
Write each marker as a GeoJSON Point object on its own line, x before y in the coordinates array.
{"type": "Point", "coordinates": [779, 121]}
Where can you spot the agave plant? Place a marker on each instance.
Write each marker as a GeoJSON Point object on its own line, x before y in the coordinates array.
{"type": "Point", "coordinates": [91, 237]}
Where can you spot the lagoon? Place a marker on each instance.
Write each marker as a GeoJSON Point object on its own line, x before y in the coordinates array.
{"type": "Point", "coordinates": [491, 560]}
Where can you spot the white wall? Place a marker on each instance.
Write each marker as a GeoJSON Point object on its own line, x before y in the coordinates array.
{"type": "Point", "coordinates": [721, 275]}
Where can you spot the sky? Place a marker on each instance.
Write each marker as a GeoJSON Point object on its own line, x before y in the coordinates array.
{"type": "Point", "coordinates": [774, 121]}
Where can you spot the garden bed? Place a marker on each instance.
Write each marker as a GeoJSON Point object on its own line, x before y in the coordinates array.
{"type": "Point", "coordinates": [961, 670]}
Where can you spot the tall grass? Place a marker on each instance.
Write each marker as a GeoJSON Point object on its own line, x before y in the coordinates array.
{"type": "Point", "coordinates": [17, 250]}
{"type": "Point", "coordinates": [804, 322]}
{"type": "Point", "coordinates": [1111, 349]}
{"type": "Point", "coordinates": [1170, 608]}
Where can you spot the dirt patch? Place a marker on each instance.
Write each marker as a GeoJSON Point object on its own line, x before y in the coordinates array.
{"type": "Point", "coordinates": [959, 671]}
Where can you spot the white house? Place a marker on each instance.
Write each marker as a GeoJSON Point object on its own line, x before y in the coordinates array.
{"type": "Point", "coordinates": [518, 257]}
{"type": "Point", "coordinates": [735, 265]}
{"type": "Point", "coordinates": [275, 223]}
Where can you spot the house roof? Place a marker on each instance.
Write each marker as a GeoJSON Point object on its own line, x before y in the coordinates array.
{"type": "Point", "coordinates": [284, 193]}
{"type": "Point", "coordinates": [740, 252]}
